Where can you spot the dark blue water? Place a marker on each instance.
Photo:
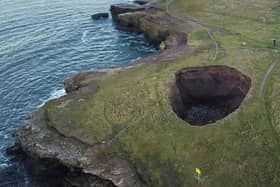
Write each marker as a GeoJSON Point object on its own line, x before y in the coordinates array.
{"type": "Point", "coordinates": [41, 43]}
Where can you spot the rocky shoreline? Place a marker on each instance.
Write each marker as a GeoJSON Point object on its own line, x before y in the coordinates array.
{"type": "Point", "coordinates": [78, 163]}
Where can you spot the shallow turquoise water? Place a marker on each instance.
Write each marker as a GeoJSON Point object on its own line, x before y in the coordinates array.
{"type": "Point", "coordinates": [41, 43]}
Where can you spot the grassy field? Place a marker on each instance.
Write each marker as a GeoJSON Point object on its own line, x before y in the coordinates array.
{"type": "Point", "coordinates": [133, 108]}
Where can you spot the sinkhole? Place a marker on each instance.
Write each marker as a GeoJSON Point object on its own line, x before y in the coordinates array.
{"type": "Point", "coordinates": [203, 95]}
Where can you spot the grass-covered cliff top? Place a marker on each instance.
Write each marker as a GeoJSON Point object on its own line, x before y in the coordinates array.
{"type": "Point", "coordinates": [131, 110]}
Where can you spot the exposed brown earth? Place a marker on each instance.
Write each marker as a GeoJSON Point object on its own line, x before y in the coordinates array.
{"type": "Point", "coordinates": [203, 95]}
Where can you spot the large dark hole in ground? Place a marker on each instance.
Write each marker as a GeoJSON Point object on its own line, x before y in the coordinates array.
{"type": "Point", "coordinates": [203, 95]}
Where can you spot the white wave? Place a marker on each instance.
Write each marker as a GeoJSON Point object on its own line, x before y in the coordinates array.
{"type": "Point", "coordinates": [136, 59]}
{"type": "Point", "coordinates": [84, 36]}
{"type": "Point", "coordinates": [4, 165]}
{"type": "Point", "coordinates": [57, 93]}
{"type": "Point", "coordinates": [54, 95]}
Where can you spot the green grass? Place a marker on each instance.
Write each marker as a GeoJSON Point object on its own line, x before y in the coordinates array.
{"type": "Point", "coordinates": [240, 150]}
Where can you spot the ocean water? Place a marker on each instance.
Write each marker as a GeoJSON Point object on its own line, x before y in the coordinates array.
{"type": "Point", "coordinates": [41, 43]}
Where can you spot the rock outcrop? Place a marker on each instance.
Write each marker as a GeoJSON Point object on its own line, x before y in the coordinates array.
{"type": "Point", "coordinates": [118, 9]}
{"type": "Point", "coordinates": [141, 2]}
{"type": "Point", "coordinates": [84, 82]}
{"type": "Point", "coordinates": [100, 16]}
{"type": "Point", "coordinates": [69, 157]}
{"type": "Point", "coordinates": [157, 25]}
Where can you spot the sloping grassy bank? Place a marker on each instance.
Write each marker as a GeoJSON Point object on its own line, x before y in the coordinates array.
{"type": "Point", "coordinates": [131, 111]}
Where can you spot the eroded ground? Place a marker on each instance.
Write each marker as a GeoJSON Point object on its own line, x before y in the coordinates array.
{"type": "Point", "coordinates": [203, 95]}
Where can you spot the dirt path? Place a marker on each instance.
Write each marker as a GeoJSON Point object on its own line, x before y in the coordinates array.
{"type": "Point", "coordinates": [266, 76]}
{"type": "Point", "coordinates": [209, 29]}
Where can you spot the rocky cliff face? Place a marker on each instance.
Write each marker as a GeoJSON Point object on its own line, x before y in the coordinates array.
{"type": "Point", "coordinates": [157, 25]}
{"type": "Point", "coordinates": [77, 163]}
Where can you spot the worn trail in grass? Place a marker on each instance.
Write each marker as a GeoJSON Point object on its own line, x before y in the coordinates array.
{"type": "Point", "coordinates": [266, 76]}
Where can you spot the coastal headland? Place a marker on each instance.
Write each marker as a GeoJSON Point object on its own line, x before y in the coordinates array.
{"type": "Point", "coordinates": [208, 99]}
